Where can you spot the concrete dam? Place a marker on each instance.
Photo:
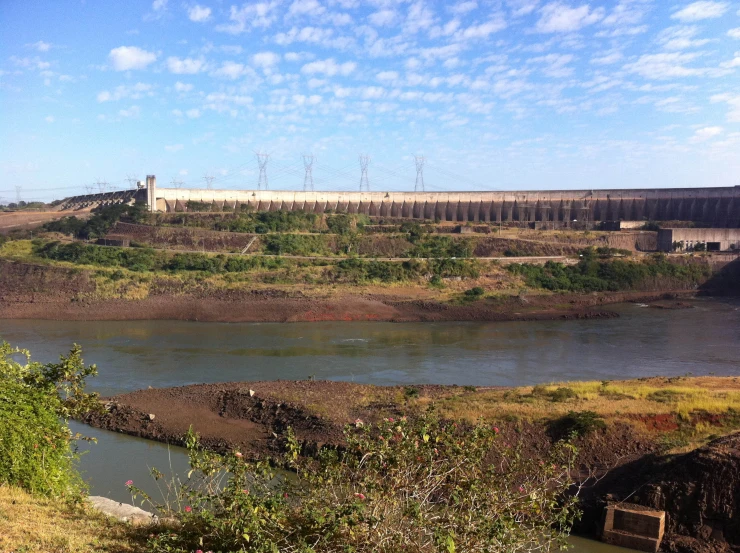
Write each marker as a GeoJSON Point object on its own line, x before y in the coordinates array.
{"type": "Point", "coordinates": [717, 206]}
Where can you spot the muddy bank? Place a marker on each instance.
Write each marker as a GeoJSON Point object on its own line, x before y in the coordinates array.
{"type": "Point", "coordinates": [41, 292]}
{"type": "Point", "coordinates": [700, 491]}
{"type": "Point", "coordinates": [254, 416]}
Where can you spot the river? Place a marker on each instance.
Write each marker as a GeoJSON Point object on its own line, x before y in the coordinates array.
{"type": "Point", "coordinates": [135, 354]}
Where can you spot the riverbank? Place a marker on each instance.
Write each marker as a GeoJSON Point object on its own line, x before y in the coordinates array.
{"type": "Point", "coordinates": [31, 291]}
{"type": "Point", "coordinates": [634, 428]}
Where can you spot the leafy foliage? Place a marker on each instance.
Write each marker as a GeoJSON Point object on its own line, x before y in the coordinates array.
{"type": "Point", "coordinates": [418, 486]}
{"type": "Point", "coordinates": [594, 275]}
{"type": "Point", "coordinates": [100, 223]}
{"type": "Point", "coordinates": [36, 445]}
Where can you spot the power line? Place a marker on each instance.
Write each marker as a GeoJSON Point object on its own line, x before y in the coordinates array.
{"type": "Point", "coordinates": [177, 184]}
{"type": "Point", "coordinates": [308, 177]}
{"type": "Point", "coordinates": [102, 185]}
{"type": "Point", "coordinates": [209, 181]}
{"type": "Point", "coordinates": [262, 160]}
{"type": "Point", "coordinates": [419, 184]}
{"type": "Point", "coordinates": [132, 180]}
{"type": "Point", "coordinates": [18, 194]}
{"type": "Point", "coordinates": [364, 181]}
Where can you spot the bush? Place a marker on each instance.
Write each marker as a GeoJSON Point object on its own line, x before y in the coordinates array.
{"type": "Point", "coordinates": [475, 292]}
{"type": "Point", "coordinates": [138, 259]}
{"type": "Point", "coordinates": [594, 275]}
{"type": "Point", "coordinates": [98, 225]}
{"type": "Point", "coordinates": [420, 485]}
{"type": "Point", "coordinates": [576, 423]}
{"type": "Point", "coordinates": [36, 401]}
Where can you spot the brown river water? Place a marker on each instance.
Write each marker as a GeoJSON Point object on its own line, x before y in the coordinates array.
{"type": "Point", "coordinates": [135, 354]}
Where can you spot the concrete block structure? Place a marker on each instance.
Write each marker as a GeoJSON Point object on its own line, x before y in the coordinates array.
{"type": "Point", "coordinates": [711, 239]}
{"type": "Point", "coordinates": [633, 526]}
{"type": "Point", "coordinates": [719, 206]}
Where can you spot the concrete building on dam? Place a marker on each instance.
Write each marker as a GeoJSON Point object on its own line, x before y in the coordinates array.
{"type": "Point", "coordinates": [716, 206]}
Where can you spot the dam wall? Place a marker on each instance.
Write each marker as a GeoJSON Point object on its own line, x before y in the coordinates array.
{"type": "Point", "coordinates": [718, 206]}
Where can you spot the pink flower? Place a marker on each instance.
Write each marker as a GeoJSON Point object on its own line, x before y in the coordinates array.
{"type": "Point", "coordinates": [238, 454]}
{"type": "Point", "coordinates": [391, 419]}
{"type": "Point", "coordinates": [495, 429]}
{"type": "Point", "coordinates": [129, 482]}
{"type": "Point", "coordinates": [188, 509]}
{"type": "Point", "coordinates": [358, 423]}
{"type": "Point", "coordinates": [198, 551]}
{"type": "Point", "coordinates": [285, 495]}
{"type": "Point", "coordinates": [245, 492]}
{"type": "Point", "coordinates": [521, 489]}
{"type": "Point", "coordinates": [360, 496]}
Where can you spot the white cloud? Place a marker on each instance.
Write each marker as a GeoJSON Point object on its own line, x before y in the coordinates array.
{"type": "Point", "coordinates": [125, 58]}
{"type": "Point", "coordinates": [665, 66]}
{"type": "Point", "coordinates": [383, 18]}
{"type": "Point", "coordinates": [260, 14]}
{"type": "Point", "coordinates": [182, 87]}
{"type": "Point", "coordinates": [557, 17]}
{"type": "Point", "coordinates": [329, 67]}
{"type": "Point", "coordinates": [136, 91]}
{"type": "Point", "coordinates": [556, 65]}
{"type": "Point", "coordinates": [49, 119]}
{"type": "Point", "coordinates": [232, 70]}
{"type": "Point", "coordinates": [387, 76]}
{"type": "Point", "coordinates": [733, 101]}
{"type": "Point", "coordinates": [305, 7]}
{"type": "Point", "coordinates": [159, 5]}
{"type": "Point", "coordinates": [41, 46]}
{"type": "Point", "coordinates": [607, 58]}
{"type": "Point", "coordinates": [199, 13]}
{"type": "Point", "coordinates": [734, 62]}
{"type": "Point", "coordinates": [522, 7]}
{"type": "Point", "coordinates": [133, 111]}
{"type": "Point", "coordinates": [174, 147]}
{"type": "Point", "coordinates": [419, 17]}
{"type": "Point", "coordinates": [681, 38]}
{"type": "Point", "coordinates": [701, 10]}
{"type": "Point", "coordinates": [193, 113]}
{"type": "Point", "coordinates": [481, 31]}
{"type": "Point", "coordinates": [705, 133]}
{"type": "Point", "coordinates": [183, 172]}
{"type": "Point", "coordinates": [461, 8]}
{"type": "Point", "coordinates": [734, 33]}
{"type": "Point", "coordinates": [265, 60]}
{"type": "Point", "coordinates": [186, 66]}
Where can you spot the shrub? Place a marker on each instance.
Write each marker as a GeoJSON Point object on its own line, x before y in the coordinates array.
{"type": "Point", "coordinates": [36, 401]}
{"type": "Point", "coordinates": [416, 486]}
{"type": "Point", "coordinates": [99, 223]}
{"type": "Point", "coordinates": [475, 292]}
{"type": "Point", "coordinates": [576, 423]}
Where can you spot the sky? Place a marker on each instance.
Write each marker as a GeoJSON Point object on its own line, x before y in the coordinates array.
{"type": "Point", "coordinates": [493, 95]}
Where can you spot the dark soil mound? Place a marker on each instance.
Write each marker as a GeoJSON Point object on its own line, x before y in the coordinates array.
{"type": "Point", "coordinates": [699, 491]}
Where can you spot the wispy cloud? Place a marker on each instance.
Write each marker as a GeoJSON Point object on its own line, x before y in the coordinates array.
{"type": "Point", "coordinates": [127, 58]}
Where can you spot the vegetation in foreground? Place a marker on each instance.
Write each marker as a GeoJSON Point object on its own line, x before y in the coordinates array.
{"type": "Point", "coordinates": [418, 485]}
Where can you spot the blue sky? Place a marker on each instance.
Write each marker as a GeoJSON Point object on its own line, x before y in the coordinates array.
{"type": "Point", "coordinates": [500, 94]}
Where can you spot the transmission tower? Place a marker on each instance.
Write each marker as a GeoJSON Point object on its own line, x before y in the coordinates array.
{"type": "Point", "coordinates": [102, 185]}
{"type": "Point", "coordinates": [308, 178]}
{"type": "Point", "coordinates": [419, 185]}
{"type": "Point", "coordinates": [209, 181]}
{"type": "Point", "coordinates": [177, 184]}
{"type": "Point", "coordinates": [364, 182]}
{"type": "Point", "coordinates": [132, 180]}
{"type": "Point", "coordinates": [262, 160]}
{"type": "Point", "coordinates": [18, 194]}
{"type": "Point", "coordinates": [89, 189]}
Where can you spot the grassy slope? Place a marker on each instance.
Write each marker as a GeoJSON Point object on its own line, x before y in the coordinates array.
{"type": "Point", "coordinates": [30, 524]}
{"type": "Point", "coordinates": [680, 412]}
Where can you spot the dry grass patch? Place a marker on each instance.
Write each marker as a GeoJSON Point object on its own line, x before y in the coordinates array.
{"type": "Point", "coordinates": [29, 524]}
